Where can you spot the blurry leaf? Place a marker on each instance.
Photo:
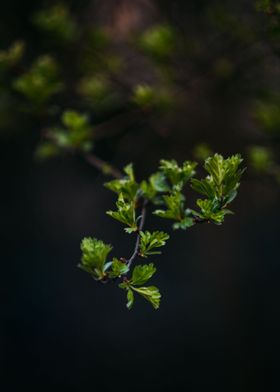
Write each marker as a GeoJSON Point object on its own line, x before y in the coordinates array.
{"type": "Point", "coordinates": [41, 82]}
{"type": "Point", "coordinates": [57, 22]}
{"type": "Point", "coordinates": [260, 158]}
{"type": "Point", "coordinates": [11, 56]}
{"type": "Point", "coordinates": [152, 97]}
{"type": "Point", "coordinates": [202, 151]}
{"type": "Point", "coordinates": [158, 41]}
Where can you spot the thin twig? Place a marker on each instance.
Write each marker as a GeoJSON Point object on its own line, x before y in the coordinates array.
{"type": "Point", "coordinates": [103, 166]}
{"type": "Point", "coordinates": [140, 227]}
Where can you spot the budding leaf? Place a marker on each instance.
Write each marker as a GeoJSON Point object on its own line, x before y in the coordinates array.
{"type": "Point", "coordinates": [174, 204]}
{"type": "Point", "coordinates": [118, 268]}
{"type": "Point", "coordinates": [125, 214]}
{"type": "Point", "coordinates": [150, 241]}
{"type": "Point", "coordinates": [94, 255]}
{"type": "Point", "coordinates": [177, 175]}
{"type": "Point", "coordinates": [127, 185]}
{"type": "Point", "coordinates": [211, 210]}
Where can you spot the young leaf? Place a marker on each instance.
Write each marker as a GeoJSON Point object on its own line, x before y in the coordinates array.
{"type": "Point", "coordinates": [177, 175]}
{"type": "Point", "coordinates": [125, 213]}
{"type": "Point", "coordinates": [211, 210]}
{"type": "Point", "coordinates": [127, 185]}
{"type": "Point", "coordinates": [94, 254]}
{"type": "Point", "coordinates": [150, 293]}
{"type": "Point", "coordinates": [174, 204]}
{"type": "Point", "coordinates": [118, 268]}
{"type": "Point", "coordinates": [142, 273]}
{"type": "Point", "coordinates": [150, 241]}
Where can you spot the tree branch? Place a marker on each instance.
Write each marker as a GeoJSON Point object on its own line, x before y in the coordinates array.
{"type": "Point", "coordinates": [140, 228]}
{"type": "Point", "coordinates": [103, 166]}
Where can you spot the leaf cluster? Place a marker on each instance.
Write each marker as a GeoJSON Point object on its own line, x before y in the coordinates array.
{"type": "Point", "coordinates": [164, 188]}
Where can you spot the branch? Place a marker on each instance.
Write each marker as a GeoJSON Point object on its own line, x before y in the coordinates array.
{"type": "Point", "coordinates": [103, 166]}
{"type": "Point", "coordinates": [140, 228]}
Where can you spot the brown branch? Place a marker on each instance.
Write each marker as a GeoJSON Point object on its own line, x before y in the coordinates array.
{"type": "Point", "coordinates": [140, 228]}
{"type": "Point", "coordinates": [103, 166]}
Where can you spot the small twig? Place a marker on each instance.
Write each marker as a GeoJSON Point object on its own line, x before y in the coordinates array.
{"type": "Point", "coordinates": [140, 227]}
{"type": "Point", "coordinates": [103, 166]}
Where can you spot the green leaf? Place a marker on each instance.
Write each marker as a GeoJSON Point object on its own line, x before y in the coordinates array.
{"type": "Point", "coordinates": [177, 175]}
{"type": "Point", "coordinates": [223, 179]}
{"type": "Point", "coordinates": [118, 268]}
{"type": "Point", "coordinates": [125, 213]}
{"type": "Point", "coordinates": [150, 241]}
{"type": "Point", "coordinates": [127, 185]}
{"type": "Point", "coordinates": [174, 204]}
{"type": "Point", "coordinates": [150, 293]}
{"type": "Point", "coordinates": [130, 299]}
{"type": "Point", "coordinates": [184, 223]}
{"type": "Point", "coordinates": [211, 210]}
{"type": "Point", "coordinates": [156, 184]}
{"type": "Point", "coordinates": [94, 254]}
{"type": "Point", "coordinates": [205, 187]}
{"type": "Point", "coordinates": [142, 273]}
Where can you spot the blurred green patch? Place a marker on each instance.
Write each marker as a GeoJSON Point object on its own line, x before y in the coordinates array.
{"type": "Point", "coordinates": [97, 90]}
{"type": "Point", "coordinates": [57, 22]}
{"type": "Point", "coordinates": [11, 56]}
{"type": "Point", "coordinates": [261, 158]}
{"type": "Point", "coordinates": [202, 151]}
{"type": "Point", "coordinates": [152, 97]}
{"type": "Point", "coordinates": [41, 82]}
{"type": "Point", "coordinates": [158, 41]}
{"type": "Point", "coordinates": [267, 113]}
{"type": "Point", "coordinates": [74, 134]}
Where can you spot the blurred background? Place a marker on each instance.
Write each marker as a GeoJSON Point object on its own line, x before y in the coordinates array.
{"type": "Point", "coordinates": [142, 80]}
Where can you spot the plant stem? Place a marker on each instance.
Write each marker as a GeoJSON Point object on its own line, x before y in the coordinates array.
{"type": "Point", "coordinates": [141, 225]}
{"type": "Point", "coordinates": [103, 166]}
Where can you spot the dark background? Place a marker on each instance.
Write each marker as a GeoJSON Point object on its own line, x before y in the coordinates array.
{"type": "Point", "coordinates": [218, 324]}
